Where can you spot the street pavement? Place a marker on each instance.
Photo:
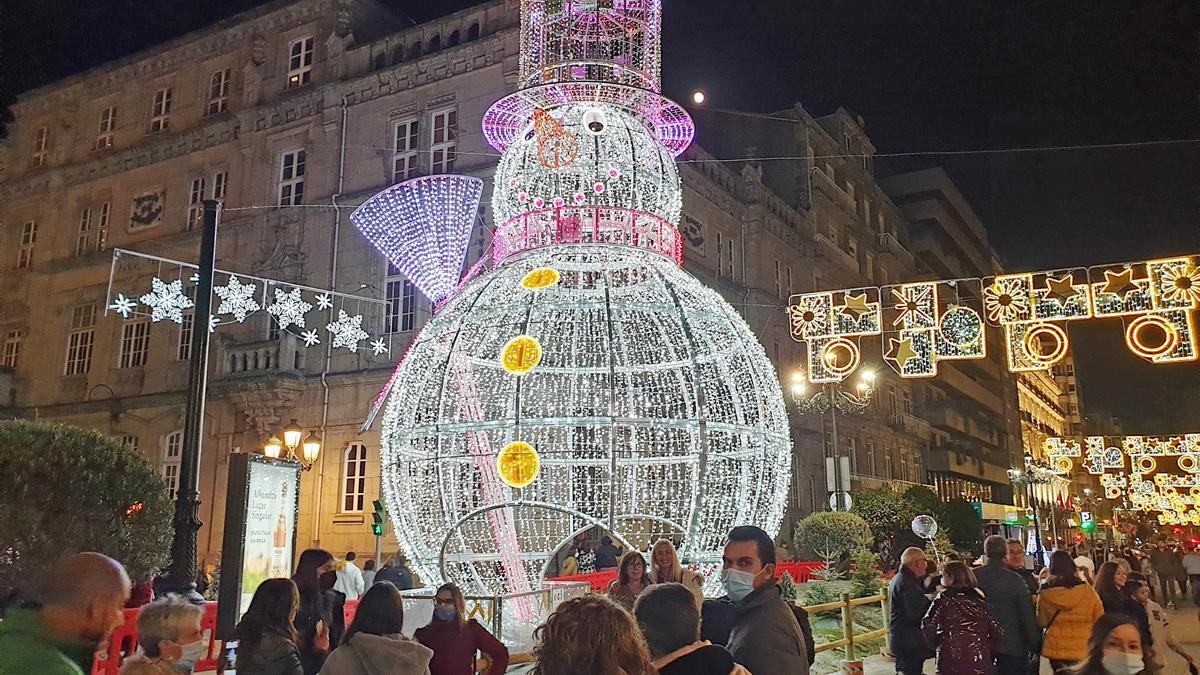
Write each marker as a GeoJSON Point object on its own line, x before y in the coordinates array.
{"type": "Point", "coordinates": [1184, 623]}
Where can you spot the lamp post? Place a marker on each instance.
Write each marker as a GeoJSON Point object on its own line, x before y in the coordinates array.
{"type": "Point", "coordinates": [1026, 479]}
{"type": "Point", "coordinates": [293, 439]}
{"type": "Point", "coordinates": [829, 397]}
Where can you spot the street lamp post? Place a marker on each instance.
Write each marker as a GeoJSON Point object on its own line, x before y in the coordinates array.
{"type": "Point", "coordinates": [1027, 479]}
{"type": "Point", "coordinates": [829, 397]}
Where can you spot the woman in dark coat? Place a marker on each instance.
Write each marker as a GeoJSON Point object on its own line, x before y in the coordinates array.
{"type": "Point", "coordinates": [322, 609]}
{"type": "Point", "coordinates": [1110, 579]}
{"type": "Point", "coordinates": [959, 627]}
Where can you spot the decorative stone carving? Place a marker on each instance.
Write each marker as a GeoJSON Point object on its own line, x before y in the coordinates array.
{"type": "Point", "coordinates": [264, 409]}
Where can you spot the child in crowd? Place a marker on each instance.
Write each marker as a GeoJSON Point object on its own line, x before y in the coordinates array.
{"type": "Point", "coordinates": [1160, 631]}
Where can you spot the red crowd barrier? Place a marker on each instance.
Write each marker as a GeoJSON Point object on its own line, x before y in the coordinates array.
{"type": "Point", "coordinates": [123, 642]}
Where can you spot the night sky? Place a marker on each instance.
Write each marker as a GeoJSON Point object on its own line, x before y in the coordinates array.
{"type": "Point", "coordinates": [934, 75]}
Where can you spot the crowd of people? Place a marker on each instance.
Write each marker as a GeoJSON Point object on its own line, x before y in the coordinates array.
{"type": "Point", "coordinates": [999, 618]}
{"type": "Point", "coordinates": [651, 622]}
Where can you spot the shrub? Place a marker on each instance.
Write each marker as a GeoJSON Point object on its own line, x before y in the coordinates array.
{"type": "Point", "coordinates": [828, 534]}
{"type": "Point", "coordinates": [63, 490]}
{"type": "Point", "coordinates": [885, 510]}
{"type": "Point", "coordinates": [963, 525]}
{"type": "Point", "coordinates": [865, 579]}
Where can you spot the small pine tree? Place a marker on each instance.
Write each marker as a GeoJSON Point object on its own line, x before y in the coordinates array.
{"type": "Point", "coordinates": [865, 579]}
{"type": "Point", "coordinates": [788, 588]}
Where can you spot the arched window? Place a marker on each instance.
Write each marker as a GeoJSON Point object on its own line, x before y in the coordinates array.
{"type": "Point", "coordinates": [354, 478]}
{"type": "Point", "coordinates": [453, 40]}
{"type": "Point", "coordinates": [414, 51]}
{"type": "Point", "coordinates": [473, 32]}
{"type": "Point", "coordinates": [380, 61]}
{"type": "Point", "coordinates": [172, 450]}
{"type": "Point", "coordinates": [398, 54]}
{"type": "Point", "coordinates": [435, 44]}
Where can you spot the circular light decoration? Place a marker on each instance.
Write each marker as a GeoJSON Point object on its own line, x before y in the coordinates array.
{"type": "Point", "coordinates": [521, 355]}
{"type": "Point", "coordinates": [1063, 464]}
{"type": "Point", "coordinates": [961, 326]}
{"type": "Point", "coordinates": [518, 464]}
{"type": "Point", "coordinates": [1189, 463]}
{"type": "Point", "coordinates": [1135, 337]}
{"type": "Point", "coordinates": [540, 278]}
{"type": "Point", "coordinates": [1145, 464]}
{"type": "Point", "coordinates": [841, 357]}
{"type": "Point", "coordinates": [1035, 348]}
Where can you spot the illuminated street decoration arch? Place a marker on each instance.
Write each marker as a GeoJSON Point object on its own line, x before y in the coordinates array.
{"type": "Point", "coordinates": [921, 324]}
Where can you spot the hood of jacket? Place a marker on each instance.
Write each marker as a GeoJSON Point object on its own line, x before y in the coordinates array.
{"type": "Point", "coordinates": [1063, 598]}
{"type": "Point", "coordinates": [383, 654]}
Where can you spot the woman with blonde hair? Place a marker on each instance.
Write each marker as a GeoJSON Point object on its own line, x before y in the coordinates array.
{"type": "Point", "coordinates": [631, 580]}
{"type": "Point", "coordinates": [591, 634]}
{"type": "Point", "coordinates": [454, 638]}
{"type": "Point", "coordinates": [171, 639]}
{"type": "Point", "coordinates": [665, 567]}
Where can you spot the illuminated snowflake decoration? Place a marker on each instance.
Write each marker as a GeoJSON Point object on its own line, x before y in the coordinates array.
{"type": "Point", "coordinates": [310, 338]}
{"type": "Point", "coordinates": [289, 308]}
{"type": "Point", "coordinates": [379, 346]}
{"type": "Point", "coordinates": [914, 304]}
{"type": "Point", "coordinates": [1005, 301]}
{"type": "Point", "coordinates": [237, 299]}
{"type": "Point", "coordinates": [324, 301]}
{"type": "Point", "coordinates": [166, 300]}
{"type": "Point", "coordinates": [123, 305]}
{"type": "Point", "coordinates": [347, 331]}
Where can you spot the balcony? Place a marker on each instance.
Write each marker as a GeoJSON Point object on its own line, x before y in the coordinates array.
{"type": "Point", "coordinates": [890, 246]}
{"type": "Point", "coordinates": [826, 248]}
{"type": "Point", "coordinates": [954, 377]}
{"type": "Point", "coordinates": [835, 193]}
{"type": "Point", "coordinates": [284, 355]}
{"type": "Point", "coordinates": [910, 424]}
{"type": "Point", "coordinates": [963, 461]}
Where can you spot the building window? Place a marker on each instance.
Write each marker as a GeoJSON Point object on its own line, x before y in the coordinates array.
{"type": "Point", "coordinates": [354, 478]}
{"type": "Point", "coordinates": [218, 92]}
{"type": "Point", "coordinates": [41, 146]}
{"type": "Point", "coordinates": [404, 156]}
{"type": "Point", "coordinates": [183, 350]}
{"type": "Point", "coordinates": [12, 348]}
{"type": "Point", "coordinates": [907, 402]}
{"type": "Point", "coordinates": [291, 178]}
{"type": "Point", "coordinates": [720, 256]}
{"type": "Point", "coordinates": [400, 311]}
{"type": "Point", "coordinates": [108, 122]}
{"type": "Point", "coordinates": [129, 442]}
{"type": "Point", "coordinates": [102, 226]}
{"type": "Point", "coordinates": [28, 240]}
{"type": "Point", "coordinates": [83, 241]}
{"type": "Point", "coordinates": [871, 458]}
{"type": "Point", "coordinates": [172, 450]}
{"type": "Point", "coordinates": [220, 180]}
{"type": "Point", "coordinates": [1073, 409]}
{"type": "Point", "coordinates": [790, 288]}
{"type": "Point", "coordinates": [778, 281]}
{"type": "Point", "coordinates": [442, 149]}
{"type": "Point", "coordinates": [729, 253]}
{"type": "Point", "coordinates": [160, 113]}
{"type": "Point", "coordinates": [81, 339]}
{"type": "Point", "coordinates": [300, 60]}
{"type": "Point", "coordinates": [135, 343]}
{"type": "Point", "coordinates": [195, 212]}
{"type": "Point", "coordinates": [892, 399]}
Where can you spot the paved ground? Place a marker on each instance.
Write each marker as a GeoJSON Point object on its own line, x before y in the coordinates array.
{"type": "Point", "coordinates": [1184, 623]}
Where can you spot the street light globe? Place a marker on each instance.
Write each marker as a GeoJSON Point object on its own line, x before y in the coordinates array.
{"type": "Point", "coordinates": [292, 434]}
{"type": "Point", "coordinates": [698, 97]}
{"type": "Point", "coordinates": [311, 448]}
{"type": "Point", "coordinates": [868, 377]}
{"type": "Point", "coordinates": [273, 448]}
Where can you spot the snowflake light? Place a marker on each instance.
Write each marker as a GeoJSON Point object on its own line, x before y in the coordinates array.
{"type": "Point", "coordinates": [237, 299]}
{"type": "Point", "coordinates": [379, 346]}
{"type": "Point", "coordinates": [324, 301]}
{"type": "Point", "coordinates": [422, 226]}
{"type": "Point", "coordinates": [123, 305]}
{"type": "Point", "coordinates": [166, 300]}
{"type": "Point", "coordinates": [347, 331]}
{"type": "Point", "coordinates": [289, 308]}
{"type": "Point", "coordinates": [310, 338]}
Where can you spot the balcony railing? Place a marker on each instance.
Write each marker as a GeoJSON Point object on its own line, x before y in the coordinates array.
{"type": "Point", "coordinates": [282, 355]}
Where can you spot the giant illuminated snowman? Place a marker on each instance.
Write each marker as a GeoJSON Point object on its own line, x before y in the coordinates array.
{"type": "Point", "coordinates": [579, 378]}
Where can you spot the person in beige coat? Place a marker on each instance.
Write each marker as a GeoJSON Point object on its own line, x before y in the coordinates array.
{"type": "Point", "coordinates": [1067, 608]}
{"type": "Point", "coordinates": [665, 567]}
{"type": "Point", "coordinates": [373, 644]}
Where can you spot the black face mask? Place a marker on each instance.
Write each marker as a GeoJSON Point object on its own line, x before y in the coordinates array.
{"type": "Point", "coordinates": [327, 580]}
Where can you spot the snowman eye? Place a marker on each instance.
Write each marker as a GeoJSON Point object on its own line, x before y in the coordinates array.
{"type": "Point", "coordinates": [595, 121]}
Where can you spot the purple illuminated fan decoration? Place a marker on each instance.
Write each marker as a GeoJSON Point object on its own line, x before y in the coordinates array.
{"type": "Point", "coordinates": [422, 226]}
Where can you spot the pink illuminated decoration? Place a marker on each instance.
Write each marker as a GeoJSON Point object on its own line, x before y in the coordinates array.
{"type": "Point", "coordinates": [587, 225]}
{"type": "Point", "coordinates": [422, 226]}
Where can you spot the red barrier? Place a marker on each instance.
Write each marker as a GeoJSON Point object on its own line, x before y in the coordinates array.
{"type": "Point", "coordinates": [599, 581]}
{"type": "Point", "coordinates": [123, 642]}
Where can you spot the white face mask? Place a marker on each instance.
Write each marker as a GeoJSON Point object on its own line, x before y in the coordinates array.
{"type": "Point", "coordinates": [1122, 663]}
{"type": "Point", "coordinates": [191, 654]}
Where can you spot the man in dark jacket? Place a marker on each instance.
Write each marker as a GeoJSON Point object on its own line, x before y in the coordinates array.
{"type": "Point", "coordinates": [717, 617]}
{"type": "Point", "coordinates": [1015, 560]}
{"type": "Point", "coordinates": [1011, 605]}
{"type": "Point", "coordinates": [907, 606]}
{"type": "Point", "coordinates": [395, 573]}
{"type": "Point", "coordinates": [765, 636]}
{"type": "Point", "coordinates": [669, 620]}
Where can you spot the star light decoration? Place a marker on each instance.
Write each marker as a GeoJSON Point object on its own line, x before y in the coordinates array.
{"type": "Point", "coordinates": [166, 300]}
{"type": "Point", "coordinates": [347, 331]}
{"type": "Point", "coordinates": [237, 299]}
{"type": "Point", "coordinates": [123, 305]}
{"type": "Point", "coordinates": [422, 226]}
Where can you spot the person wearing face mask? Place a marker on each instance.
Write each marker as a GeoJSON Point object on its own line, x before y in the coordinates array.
{"type": "Point", "coordinates": [454, 638]}
{"type": "Point", "coordinates": [171, 639]}
{"type": "Point", "coordinates": [765, 636]}
{"type": "Point", "coordinates": [321, 611]}
{"type": "Point", "coordinates": [1114, 648]}
{"type": "Point", "coordinates": [82, 603]}
{"type": "Point", "coordinates": [907, 606]}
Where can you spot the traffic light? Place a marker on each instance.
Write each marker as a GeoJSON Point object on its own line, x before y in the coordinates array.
{"type": "Point", "coordinates": [378, 518]}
